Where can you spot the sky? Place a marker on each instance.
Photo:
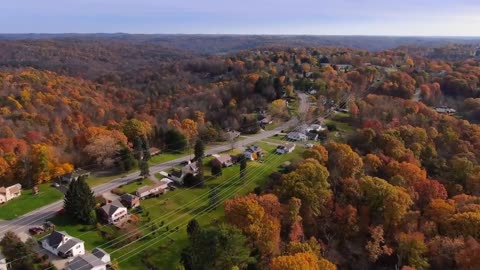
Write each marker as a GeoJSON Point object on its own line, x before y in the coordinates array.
{"type": "Point", "coordinates": [288, 17]}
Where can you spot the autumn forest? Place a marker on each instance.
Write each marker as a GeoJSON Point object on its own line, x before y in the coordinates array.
{"type": "Point", "coordinates": [400, 189]}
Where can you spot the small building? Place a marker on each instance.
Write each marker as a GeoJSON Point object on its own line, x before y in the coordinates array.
{"type": "Point", "coordinates": [98, 260]}
{"type": "Point", "coordinates": [253, 152]}
{"type": "Point", "coordinates": [311, 135]}
{"type": "Point", "coordinates": [297, 136]}
{"type": "Point", "coordinates": [286, 148]}
{"type": "Point", "coordinates": [190, 168]}
{"type": "Point", "coordinates": [130, 200]}
{"type": "Point", "coordinates": [63, 245]}
{"type": "Point", "coordinates": [316, 127]}
{"type": "Point", "coordinates": [267, 120]}
{"type": "Point", "coordinates": [3, 262]}
{"type": "Point", "coordinates": [224, 160]}
{"type": "Point", "coordinates": [73, 176]}
{"type": "Point", "coordinates": [113, 212]}
{"type": "Point", "coordinates": [445, 110]}
{"type": "Point", "coordinates": [154, 151]}
{"type": "Point", "coordinates": [9, 193]}
{"type": "Point", "coordinates": [102, 255]}
{"type": "Point", "coordinates": [155, 190]}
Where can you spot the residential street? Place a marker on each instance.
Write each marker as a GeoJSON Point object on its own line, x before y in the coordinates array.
{"type": "Point", "coordinates": [21, 224]}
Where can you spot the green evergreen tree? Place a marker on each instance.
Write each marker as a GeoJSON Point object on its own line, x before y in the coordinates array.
{"type": "Point", "coordinates": [146, 150]}
{"type": "Point", "coordinates": [126, 159]}
{"type": "Point", "coordinates": [213, 198]}
{"type": "Point", "coordinates": [138, 148]}
{"type": "Point", "coordinates": [144, 168]}
{"type": "Point", "coordinates": [175, 141]}
{"type": "Point", "coordinates": [243, 166]}
{"type": "Point", "coordinates": [227, 247]}
{"type": "Point", "coordinates": [79, 202]}
{"type": "Point", "coordinates": [216, 168]}
{"type": "Point", "coordinates": [199, 150]}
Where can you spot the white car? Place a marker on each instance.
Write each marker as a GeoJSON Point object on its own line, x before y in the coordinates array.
{"type": "Point", "coordinates": [308, 145]}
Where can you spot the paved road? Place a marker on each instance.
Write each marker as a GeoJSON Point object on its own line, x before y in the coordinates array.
{"type": "Point", "coordinates": [21, 224]}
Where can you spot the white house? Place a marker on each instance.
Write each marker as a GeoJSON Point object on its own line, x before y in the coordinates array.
{"type": "Point", "coordinates": [315, 127]}
{"type": "Point", "coordinates": [9, 193]}
{"type": "Point", "coordinates": [156, 189]}
{"type": "Point", "coordinates": [63, 245]}
{"type": "Point", "coordinates": [3, 262]}
{"type": "Point", "coordinates": [297, 136]}
{"type": "Point", "coordinates": [286, 148]}
{"type": "Point", "coordinates": [114, 212]}
{"type": "Point", "coordinates": [98, 260]}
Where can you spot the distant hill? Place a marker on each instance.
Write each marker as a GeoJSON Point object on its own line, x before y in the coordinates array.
{"type": "Point", "coordinates": [220, 44]}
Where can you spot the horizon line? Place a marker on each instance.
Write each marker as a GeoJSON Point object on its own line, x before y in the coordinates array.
{"type": "Point", "coordinates": [232, 34]}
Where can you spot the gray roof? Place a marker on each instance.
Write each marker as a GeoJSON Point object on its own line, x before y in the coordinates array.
{"type": "Point", "coordinates": [99, 253]}
{"type": "Point", "coordinates": [69, 245]}
{"type": "Point", "coordinates": [85, 262]}
{"type": "Point", "coordinates": [55, 238]}
{"type": "Point", "coordinates": [112, 207]}
{"type": "Point", "coordinates": [128, 197]}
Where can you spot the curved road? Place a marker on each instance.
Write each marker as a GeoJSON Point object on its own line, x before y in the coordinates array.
{"type": "Point", "coordinates": [37, 217]}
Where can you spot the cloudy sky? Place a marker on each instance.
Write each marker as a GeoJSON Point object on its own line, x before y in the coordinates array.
{"type": "Point", "coordinates": [315, 17]}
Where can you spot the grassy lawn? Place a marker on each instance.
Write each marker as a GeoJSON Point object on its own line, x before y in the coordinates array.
{"type": "Point", "coordinates": [164, 157]}
{"type": "Point", "coordinates": [28, 201]}
{"type": "Point", "coordinates": [174, 210]}
{"type": "Point", "coordinates": [132, 187]}
{"type": "Point", "coordinates": [94, 180]}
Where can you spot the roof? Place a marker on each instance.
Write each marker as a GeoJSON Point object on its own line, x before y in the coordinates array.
{"type": "Point", "coordinates": [128, 197]}
{"type": "Point", "coordinates": [224, 158]}
{"type": "Point", "coordinates": [154, 150]}
{"type": "Point", "coordinates": [69, 245]}
{"type": "Point", "coordinates": [294, 133]}
{"type": "Point", "coordinates": [148, 188]}
{"type": "Point", "coordinates": [13, 188]}
{"type": "Point", "coordinates": [99, 253]}
{"type": "Point", "coordinates": [85, 262]}
{"type": "Point", "coordinates": [55, 238]}
{"type": "Point", "coordinates": [289, 145]}
{"type": "Point", "coordinates": [112, 207]}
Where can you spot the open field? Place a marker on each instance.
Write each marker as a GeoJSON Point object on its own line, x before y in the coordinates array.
{"type": "Point", "coordinates": [28, 201]}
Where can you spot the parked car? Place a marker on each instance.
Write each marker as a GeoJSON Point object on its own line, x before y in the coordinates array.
{"type": "Point", "coordinates": [36, 230]}
{"type": "Point", "coordinates": [56, 185]}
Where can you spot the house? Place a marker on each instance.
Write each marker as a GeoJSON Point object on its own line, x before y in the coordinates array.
{"type": "Point", "coordinates": [343, 68]}
{"type": "Point", "coordinates": [267, 120]}
{"type": "Point", "coordinates": [130, 200]}
{"type": "Point", "coordinates": [445, 110]}
{"type": "Point", "coordinates": [73, 176]}
{"type": "Point", "coordinates": [190, 168]}
{"type": "Point", "coordinates": [297, 136]}
{"type": "Point", "coordinates": [3, 262]}
{"type": "Point", "coordinates": [63, 245]}
{"type": "Point", "coordinates": [98, 260]}
{"type": "Point", "coordinates": [154, 151]}
{"type": "Point", "coordinates": [316, 127]}
{"type": "Point", "coordinates": [9, 193]}
{"type": "Point", "coordinates": [286, 148]}
{"type": "Point", "coordinates": [253, 152]}
{"type": "Point", "coordinates": [113, 212]}
{"type": "Point", "coordinates": [224, 160]}
{"type": "Point", "coordinates": [102, 255]}
{"type": "Point", "coordinates": [311, 135]}
{"type": "Point", "coordinates": [86, 262]}
{"type": "Point", "coordinates": [155, 190]}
